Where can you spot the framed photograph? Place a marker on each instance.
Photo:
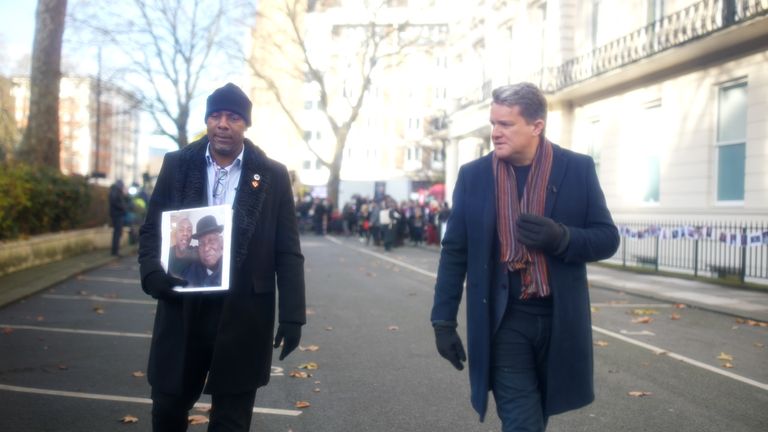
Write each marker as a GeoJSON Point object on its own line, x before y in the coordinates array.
{"type": "Point", "coordinates": [196, 247]}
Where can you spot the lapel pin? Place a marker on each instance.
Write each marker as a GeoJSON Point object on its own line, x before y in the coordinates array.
{"type": "Point", "coordinates": [255, 182]}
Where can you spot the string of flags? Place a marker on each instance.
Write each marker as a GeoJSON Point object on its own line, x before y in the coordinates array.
{"type": "Point", "coordinates": [753, 238]}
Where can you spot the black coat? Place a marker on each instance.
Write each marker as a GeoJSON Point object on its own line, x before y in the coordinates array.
{"type": "Point", "coordinates": [266, 260]}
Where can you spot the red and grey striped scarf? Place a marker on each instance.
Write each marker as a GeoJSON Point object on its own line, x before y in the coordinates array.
{"type": "Point", "coordinates": [531, 263]}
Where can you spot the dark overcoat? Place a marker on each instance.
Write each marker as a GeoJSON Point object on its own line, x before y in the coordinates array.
{"type": "Point", "coordinates": [470, 249]}
{"type": "Point", "coordinates": [266, 263]}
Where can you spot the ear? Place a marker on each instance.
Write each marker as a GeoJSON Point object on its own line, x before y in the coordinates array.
{"type": "Point", "coordinates": [538, 127]}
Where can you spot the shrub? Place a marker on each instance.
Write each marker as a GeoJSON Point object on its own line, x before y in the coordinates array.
{"type": "Point", "coordinates": [37, 200]}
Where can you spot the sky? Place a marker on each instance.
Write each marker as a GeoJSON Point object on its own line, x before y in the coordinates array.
{"type": "Point", "coordinates": [17, 26]}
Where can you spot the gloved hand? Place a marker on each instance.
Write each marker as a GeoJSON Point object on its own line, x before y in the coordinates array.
{"type": "Point", "coordinates": [449, 344]}
{"type": "Point", "coordinates": [539, 232]}
{"type": "Point", "coordinates": [290, 335]}
{"type": "Point", "coordinates": [159, 285]}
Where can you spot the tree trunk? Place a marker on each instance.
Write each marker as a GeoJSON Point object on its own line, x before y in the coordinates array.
{"type": "Point", "coordinates": [40, 144]}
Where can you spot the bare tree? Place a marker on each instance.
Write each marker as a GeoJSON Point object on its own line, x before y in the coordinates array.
{"type": "Point", "coordinates": [378, 45]}
{"type": "Point", "coordinates": [40, 142]}
{"type": "Point", "coordinates": [169, 46]}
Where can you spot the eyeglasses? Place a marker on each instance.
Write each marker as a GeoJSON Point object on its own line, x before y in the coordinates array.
{"type": "Point", "coordinates": [219, 187]}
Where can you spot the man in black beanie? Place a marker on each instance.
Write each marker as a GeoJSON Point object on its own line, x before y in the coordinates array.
{"type": "Point", "coordinates": [222, 343]}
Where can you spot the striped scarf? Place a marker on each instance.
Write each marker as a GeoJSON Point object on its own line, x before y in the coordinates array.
{"type": "Point", "coordinates": [531, 263]}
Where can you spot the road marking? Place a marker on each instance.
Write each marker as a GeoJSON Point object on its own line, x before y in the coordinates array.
{"type": "Point", "coordinates": [116, 398]}
{"type": "Point", "coordinates": [660, 351]}
{"type": "Point", "coordinates": [108, 279]}
{"type": "Point", "coordinates": [385, 258]}
{"type": "Point", "coordinates": [97, 298]}
{"type": "Point", "coordinates": [632, 305]}
{"type": "Point", "coordinates": [77, 331]}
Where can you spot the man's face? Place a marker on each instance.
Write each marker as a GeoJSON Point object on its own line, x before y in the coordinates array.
{"type": "Point", "coordinates": [514, 139]}
{"type": "Point", "coordinates": [183, 234]}
{"type": "Point", "coordinates": [210, 249]}
{"type": "Point", "coordinates": [226, 132]}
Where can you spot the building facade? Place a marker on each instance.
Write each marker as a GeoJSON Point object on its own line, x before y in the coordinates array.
{"type": "Point", "coordinates": [98, 127]}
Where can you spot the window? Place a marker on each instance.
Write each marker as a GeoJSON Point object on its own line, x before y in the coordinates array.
{"type": "Point", "coordinates": [595, 22]}
{"type": "Point", "coordinates": [731, 141]}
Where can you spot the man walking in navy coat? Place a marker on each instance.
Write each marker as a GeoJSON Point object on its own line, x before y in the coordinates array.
{"type": "Point", "coordinates": [525, 221]}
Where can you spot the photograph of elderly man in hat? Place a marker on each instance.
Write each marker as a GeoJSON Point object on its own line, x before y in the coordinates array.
{"type": "Point", "coordinates": [221, 342]}
{"type": "Point", "coordinates": [206, 271]}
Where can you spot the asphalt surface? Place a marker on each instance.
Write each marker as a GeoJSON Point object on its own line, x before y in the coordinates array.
{"type": "Point", "coordinates": [70, 354]}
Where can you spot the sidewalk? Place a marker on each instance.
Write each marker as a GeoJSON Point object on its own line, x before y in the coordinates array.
{"type": "Point", "coordinates": [740, 302]}
{"type": "Point", "coordinates": [18, 285]}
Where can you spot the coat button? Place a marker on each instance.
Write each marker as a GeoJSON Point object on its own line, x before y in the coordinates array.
{"type": "Point", "coordinates": [484, 301]}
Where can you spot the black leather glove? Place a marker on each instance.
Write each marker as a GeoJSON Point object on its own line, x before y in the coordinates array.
{"type": "Point", "coordinates": [159, 285]}
{"type": "Point", "coordinates": [290, 335]}
{"type": "Point", "coordinates": [449, 344]}
{"type": "Point", "coordinates": [539, 232]}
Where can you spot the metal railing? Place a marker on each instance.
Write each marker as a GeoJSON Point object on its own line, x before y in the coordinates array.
{"type": "Point", "coordinates": [738, 252]}
{"type": "Point", "coordinates": [696, 21]}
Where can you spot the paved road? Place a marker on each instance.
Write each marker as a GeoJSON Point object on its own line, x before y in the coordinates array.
{"type": "Point", "coordinates": [69, 355]}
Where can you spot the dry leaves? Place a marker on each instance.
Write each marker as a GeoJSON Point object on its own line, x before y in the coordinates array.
{"type": "Point", "coordinates": [593, 309]}
{"type": "Point", "coordinates": [311, 348]}
{"type": "Point", "coordinates": [62, 367]}
{"type": "Point", "coordinates": [99, 310]}
{"type": "Point", "coordinates": [302, 404]}
{"type": "Point", "coordinates": [329, 328]}
{"type": "Point", "coordinates": [728, 365]}
{"type": "Point", "coordinates": [6, 330]}
{"type": "Point", "coordinates": [674, 317]}
{"type": "Point", "coordinates": [129, 419]}
{"type": "Point", "coordinates": [308, 366]}
{"type": "Point", "coordinates": [601, 343]}
{"type": "Point", "coordinates": [725, 357]}
{"type": "Point", "coordinates": [393, 328]}
{"type": "Point", "coordinates": [643, 320]}
{"type": "Point", "coordinates": [197, 419]}
{"type": "Point", "coordinates": [680, 306]}
{"type": "Point", "coordinates": [644, 312]}
{"type": "Point", "coordinates": [138, 374]}
{"type": "Point", "coordinates": [298, 374]}
{"type": "Point", "coordinates": [752, 323]}
{"type": "Point", "coordinates": [759, 345]}
{"type": "Point", "coordinates": [639, 393]}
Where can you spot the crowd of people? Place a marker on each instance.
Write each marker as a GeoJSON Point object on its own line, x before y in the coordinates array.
{"type": "Point", "coordinates": [383, 222]}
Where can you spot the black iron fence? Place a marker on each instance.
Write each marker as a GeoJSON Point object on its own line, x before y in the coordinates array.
{"type": "Point", "coordinates": [734, 251]}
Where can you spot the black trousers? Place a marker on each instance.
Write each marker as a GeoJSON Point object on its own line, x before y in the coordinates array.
{"type": "Point", "coordinates": [117, 232]}
{"type": "Point", "coordinates": [229, 412]}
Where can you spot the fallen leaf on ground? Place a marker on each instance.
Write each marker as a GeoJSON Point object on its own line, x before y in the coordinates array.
{"type": "Point", "coordinates": [369, 274]}
{"type": "Point", "coordinates": [680, 306]}
{"type": "Point", "coordinates": [739, 321]}
{"type": "Point", "coordinates": [83, 292]}
{"type": "Point", "coordinates": [618, 302]}
{"type": "Point", "coordinates": [317, 382]}
{"type": "Point", "coordinates": [674, 317]}
{"type": "Point", "coordinates": [298, 374]}
{"type": "Point", "coordinates": [316, 390]}
{"type": "Point", "coordinates": [593, 309]}
{"type": "Point", "coordinates": [7, 330]}
{"type": "Point", "coordinates": [310, 311]}
{"type": "Point", "coordinates": [197, 419]}
{"type": "Point", "coordinates": [62, 367]}
{"type": "Point", "coordinates": [639, 393]}
{"type": "Point", "coordinates": [99, 310]}
{"type": "Point", "coordinates": [329, 328]}
{"type": "Point", "coordinates": [728, 365]}
{"type": "Point", "coordinates": [302, 404]}
{"type": "Point", "coordinates": [724, 356]}
{"type": "Point", "coordinates": [642, 312]}
{"type": "Point", "coordinates": [40, 318]}
{"type": "Point", "coordinates": [393, 328]}
{"type": "Point", "coordinates": [601, 343]}
{"type": "Point", "coordinates": [754, 323]}
{"type": "Point", "coordinates": [759, 344]}
{"type": "Point", "coordinates": [203, 408]}
{"type": "Point", "coordinates": [138, 374]}
{"type": "Point", "coordinates": [643, 320]}
{"type": "Point", "coordinates": [129, 419]}
{"type": "Point", "coordinates": [309, 366]}
{"type": "Point", "coordinates": [311, 348]}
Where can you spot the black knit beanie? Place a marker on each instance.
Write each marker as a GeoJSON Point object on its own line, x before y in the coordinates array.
{"type": "Point", "coordinates": [229, 98]}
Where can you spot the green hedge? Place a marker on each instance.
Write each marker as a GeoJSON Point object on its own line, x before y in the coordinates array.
{"type": "Point", "coordinates": [38, 200]}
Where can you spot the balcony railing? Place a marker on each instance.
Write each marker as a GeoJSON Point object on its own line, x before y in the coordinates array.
{"type": "Point", "coordinates": [698, 20]}
{"type": "Point", "coordinates": [738, 252]}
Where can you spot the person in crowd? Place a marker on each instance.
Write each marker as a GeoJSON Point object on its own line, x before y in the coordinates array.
{"type": "Point", "coordinates": [526, 219]}
{"type": "Point", "coordinates": [118, 209]}
{"type": "Point", "coordinates": [221, 343]}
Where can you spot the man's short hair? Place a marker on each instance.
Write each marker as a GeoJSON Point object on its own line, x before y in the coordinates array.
{"type": "Point", "coordinates": [526, 96]}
